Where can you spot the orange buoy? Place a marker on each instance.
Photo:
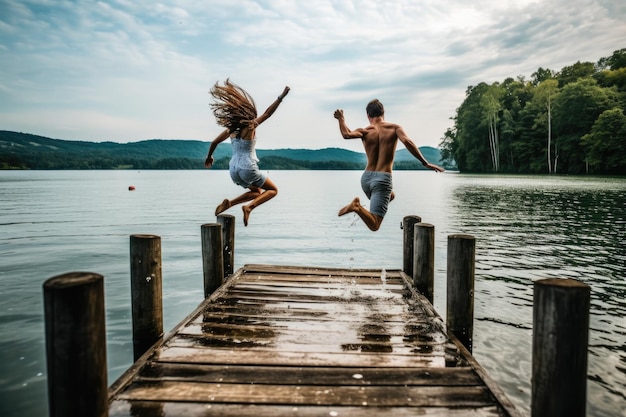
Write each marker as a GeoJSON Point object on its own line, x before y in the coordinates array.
{"type": "Point", "coordinates": [131, 188]}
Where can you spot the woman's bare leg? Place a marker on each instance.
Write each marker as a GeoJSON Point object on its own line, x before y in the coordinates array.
{"type": "Point", "coordinates": [247, 196]}
{"type": "Point", "coordinates": [270, 192]}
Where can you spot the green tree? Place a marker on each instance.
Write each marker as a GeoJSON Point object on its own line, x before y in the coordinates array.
{"type": "Point", "coordinates": [605, 145]}
{"type": "Point", "coordinates": [576, 109]}
{"type": "Point", "coordinates": [616, 77]}
{"type": "Point", "coordinates": [615, 61]}
{"type": "Point", "coordinates": [448, 146]}
{"type": "Point", "coordinates": [541, 75]}
{"type": "Point", "coordinates": [545, 94]}
{"type": "Point", "coordinates": [490, 103]}
{"type": "Point", "coordinates": [529, 145]}
{"type": "Point", "coordinates": [573, 73]}
{"type": "Point", "coordinates": [471, 151]}
{"type": "Point", "coordinates": [517, 93]}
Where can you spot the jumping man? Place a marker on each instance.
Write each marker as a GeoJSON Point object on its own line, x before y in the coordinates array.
{"type": "Point", "coordinates": [379, 141]}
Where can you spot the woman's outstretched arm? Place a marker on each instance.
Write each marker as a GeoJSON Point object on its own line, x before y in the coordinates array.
{"type": "Point", "coordinates": [272, 108]}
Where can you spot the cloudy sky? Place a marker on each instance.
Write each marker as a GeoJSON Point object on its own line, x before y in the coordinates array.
{"type": "Point", "coordinates": [126, 70]}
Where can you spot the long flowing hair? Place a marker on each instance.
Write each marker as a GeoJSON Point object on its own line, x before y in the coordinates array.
{"type": "Point", "coordinates": [233, 107]}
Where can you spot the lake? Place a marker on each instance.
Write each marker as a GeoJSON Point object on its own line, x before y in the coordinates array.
{"type": "Point", "coordinates": [526, 228]}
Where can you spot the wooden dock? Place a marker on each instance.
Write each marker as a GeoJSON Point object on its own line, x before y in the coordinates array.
{"type": "Point", "coordinates": [302, 341]}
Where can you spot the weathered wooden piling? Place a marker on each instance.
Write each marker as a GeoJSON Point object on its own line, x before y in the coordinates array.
{"type": "Point", "coordinates": [424, 259]}
{"type": "Point", "coordinates": [408, 226]}
{"type": "Point", "coordinates": [228, 239]}
{"type": "Point", "coordinates": [460, 287]}
{"type": "Point", "coordinates": [560, 340]}
{"type": "Point", "coordinates": [212, 257]}
{"type": "Point", "coordinates": [146, 285]}
{"type": "Point", "coordinates": [76, 345]}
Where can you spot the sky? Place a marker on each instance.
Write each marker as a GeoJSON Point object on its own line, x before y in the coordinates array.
{"type": "Point", "coordinates": [126, 70]}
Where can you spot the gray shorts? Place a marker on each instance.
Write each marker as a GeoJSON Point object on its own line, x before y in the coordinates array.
{"type": "Point", "coordinates": [377, 186]}
{"type": "Point", "coordinates": [247, 177]}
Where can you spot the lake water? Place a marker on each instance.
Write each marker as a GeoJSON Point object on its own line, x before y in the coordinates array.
{"type": "Point", "coordinates": [526, 228]}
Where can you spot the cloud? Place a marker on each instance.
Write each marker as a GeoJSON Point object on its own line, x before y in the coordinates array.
{"type": "Point", "coordinates": [122, 70]}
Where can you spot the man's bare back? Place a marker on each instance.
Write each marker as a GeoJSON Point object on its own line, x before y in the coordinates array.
{"type": "Point", "coordinates": [380, 141]}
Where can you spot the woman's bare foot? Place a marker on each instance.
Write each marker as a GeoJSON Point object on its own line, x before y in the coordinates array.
{"type": "Point", "coordinates": [246, 214]}
{"type": "Point", "coordinates": [224, 205]}
{"type": "Point", "coordinates": [353, 206]}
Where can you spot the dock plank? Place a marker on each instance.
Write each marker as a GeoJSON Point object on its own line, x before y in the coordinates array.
{"type": "Point", "coordinates": [351, 396]}
{"type": "Point", "coordinates": [122, 408]}
{"type": "Point", "coordinates": [306, 341]}
{"type": "Point", "coordinates": [256, 374]}
{"type": "Point", "coordinates": [247, 356]}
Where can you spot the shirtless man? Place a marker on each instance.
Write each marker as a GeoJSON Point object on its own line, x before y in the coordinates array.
{"type": "Point", "coordinates": [379, 140]}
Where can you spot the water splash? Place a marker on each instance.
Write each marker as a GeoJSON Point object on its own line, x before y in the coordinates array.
{"type": "Point", "coordinates": [350, 290]}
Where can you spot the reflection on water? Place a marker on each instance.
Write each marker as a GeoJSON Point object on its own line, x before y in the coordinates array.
{"type": "Point", "coordinates": [529, 228]}
{"type": "Point", "coordinates": [526, 228]}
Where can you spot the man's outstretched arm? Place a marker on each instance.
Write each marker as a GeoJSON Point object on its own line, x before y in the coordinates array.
{"type": "Point", "coordinates": [415, 151]}
{"type": "Point", "coordinates": [343, 128]}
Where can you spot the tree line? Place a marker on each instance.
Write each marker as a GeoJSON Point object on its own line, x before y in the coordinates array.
{"type": "Point", "coordinates": [570, 121]}
{"type": "Point", "coordinates": [282, 163]}
{"type": "Point", "coordinates": [54, 161]}
{"type": "Point", "coordinates": [26, 151]}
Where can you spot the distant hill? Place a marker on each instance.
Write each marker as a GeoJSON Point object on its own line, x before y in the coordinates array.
{"type": "Point", "coordinates": [27, 151]}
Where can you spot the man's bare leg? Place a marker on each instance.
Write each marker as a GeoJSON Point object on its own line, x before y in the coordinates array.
{"type": "Point", "coordinates": [352, 207]}
{"type": "Point", "coordinates": [270, 192]}
{"type": "Point", "coordinates": [372, 221]}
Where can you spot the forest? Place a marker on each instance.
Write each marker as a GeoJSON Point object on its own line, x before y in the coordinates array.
{"type": "Point", "coordinates": [570, 121]}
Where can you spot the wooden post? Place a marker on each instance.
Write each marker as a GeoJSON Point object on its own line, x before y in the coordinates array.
{"type": "Point", "coordinates": [424, 259]}
{"type": "Point", "coordinates": [146, 287]}
{"type": "Point", "coordinates": [460, 291]}
{"type": "Point", "coordinates": [76, 345]}
{"type": "Point", "coordinates": [228, 239]}
{"type": "Point", "coordinates": [212, 257]}
{"type": "Point", "coordinates": [560, 340]}
{"type": "Point", "coordinates": [408, 225]}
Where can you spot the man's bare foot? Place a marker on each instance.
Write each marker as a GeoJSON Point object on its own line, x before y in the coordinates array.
{"type": "Point", "coordinates": [353, 206]}
{"type": "Point", "coordinates": [246, 214]}
{"type": "Point", "coordinates": [224, 205]}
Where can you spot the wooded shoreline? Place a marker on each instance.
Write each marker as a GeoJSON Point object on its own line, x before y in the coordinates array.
{"type": "Point", "coordinates": [26, 151]}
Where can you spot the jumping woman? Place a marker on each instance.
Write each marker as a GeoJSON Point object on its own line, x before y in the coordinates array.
{"type": "Point", "coordinates": [235, 110]}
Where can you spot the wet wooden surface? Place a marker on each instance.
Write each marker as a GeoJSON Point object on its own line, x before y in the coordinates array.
{"type": "Point", "coordinates": [297, 341]}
